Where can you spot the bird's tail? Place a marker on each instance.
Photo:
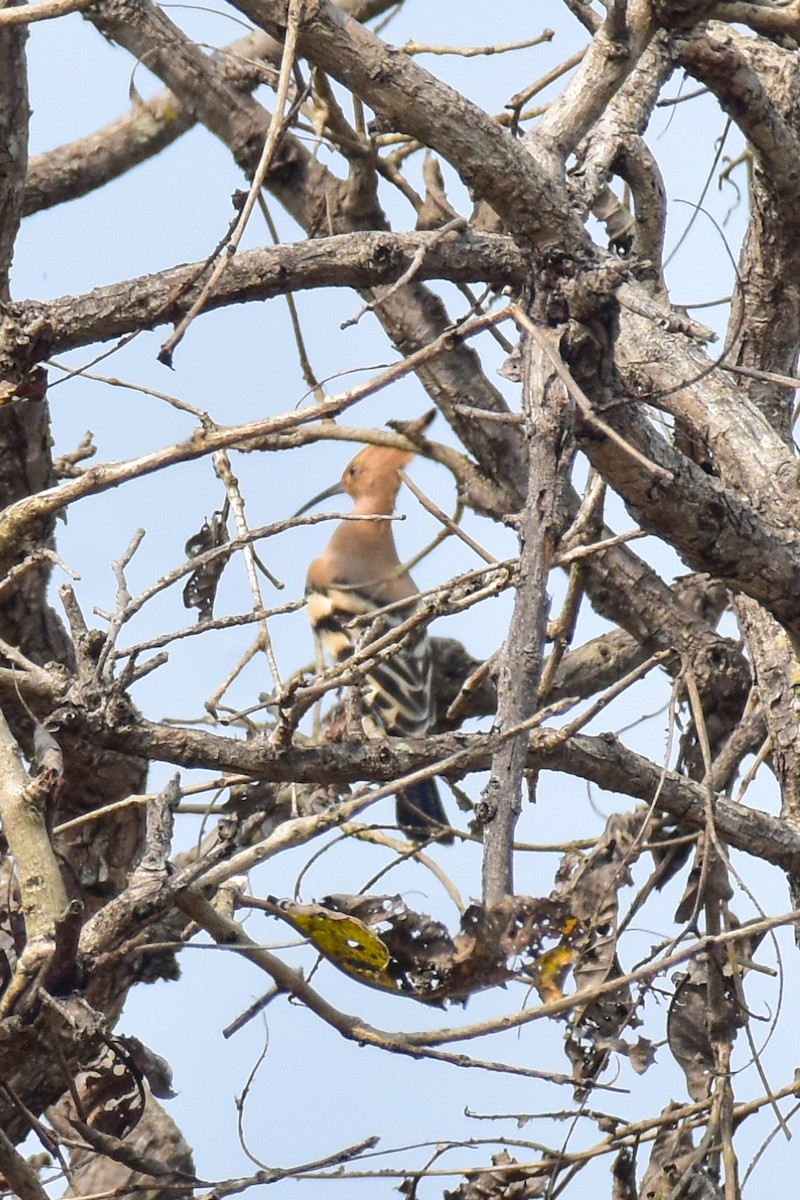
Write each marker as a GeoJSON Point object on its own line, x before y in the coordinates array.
{"type": "Point", "coordinates": [420, 813]}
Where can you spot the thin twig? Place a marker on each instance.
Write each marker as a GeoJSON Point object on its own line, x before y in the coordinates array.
{"type": "Point", "coordinates": [448, 522]}
{"type": "Point", "coordinates": [547, 35]}
{"type": "Point", "coordinates": [19, 515]}
{"type": "Point", "coordinates": [123, 600]}
{"type": "Point", "coordinates": [519, 100]}
{"type": "Point", "coordinates": [222, 466]}
{"type": "Point", "coordinates": [277, 127]}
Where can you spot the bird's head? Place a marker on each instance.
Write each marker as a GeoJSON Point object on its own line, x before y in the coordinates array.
{"type": "Point", "coordinates": [371, 478]}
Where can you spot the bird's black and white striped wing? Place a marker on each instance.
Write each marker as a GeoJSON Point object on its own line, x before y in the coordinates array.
{"type": "Point", "coordinates": [395, 694]}
{"type": "Point", "coordinates": [395, 697]}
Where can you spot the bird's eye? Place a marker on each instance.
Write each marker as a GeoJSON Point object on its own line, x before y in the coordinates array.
{"type": "Point", "coordinates": [352, 470]}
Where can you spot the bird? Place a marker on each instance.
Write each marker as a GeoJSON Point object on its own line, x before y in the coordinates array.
{"type": "Point", "coordinates": [359, 573]}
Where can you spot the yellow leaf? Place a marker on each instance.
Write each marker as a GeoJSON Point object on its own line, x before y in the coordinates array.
{"type": "Point", "coordinates": [551, 971]}
{"type": "Point", "coordinates": [348, 943]}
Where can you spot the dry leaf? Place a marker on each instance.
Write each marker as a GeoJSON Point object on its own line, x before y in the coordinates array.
{"type": "Point", "coordinates": [155, 1069]}
{"type": "Point", "coordinates": [623, 1174]}
{"type": "Point", "coordinates": [200, 590]}
{"type": "Point", "coordinates": [687, 1034]}
{"type": "Point", "coordinates": [674, 1160]}
{"type": "Point", "coordinates": [504, 1182]}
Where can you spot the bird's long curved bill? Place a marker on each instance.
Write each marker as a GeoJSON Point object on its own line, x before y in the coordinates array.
{"type": "Point", "coordinates": [336, 490]}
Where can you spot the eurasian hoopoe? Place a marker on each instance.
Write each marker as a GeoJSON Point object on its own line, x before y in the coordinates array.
{"type": "Point", "coordinates": [357, 574]}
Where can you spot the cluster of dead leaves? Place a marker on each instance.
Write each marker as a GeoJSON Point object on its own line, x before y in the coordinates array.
{"type": "Point", "coordinates": [504, 1180]}
{"type": "Point", "coordinates": [112, 1089]}
{"type": "Point", "coordinates": [589, 884]}
{"type": "Point", "coordinates": [383, 943]}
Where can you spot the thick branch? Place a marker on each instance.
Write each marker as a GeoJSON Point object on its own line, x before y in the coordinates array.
{"type": "Point", "coordinates": [615, 145]}
{"type": "Point", "coordinates": [606, 65]}
{"type": "Point", "coordinates": [42, 891]}
{"type": "Point", "coordinates": [44, 898]}
{"type": "Point", "coordinates": [603, 760]}
{"type": "Point", "coordinates": [548, 416]}
{"type": "Point", "coordinates": [750, 546]}
{"type": "Point", "coordinates": [755, 82]}
{"type": "Point", "coordinates": [18, 1173]}
{"type": "Point", "coordinates": [13, 143]}
{"type": "Point", "coordinates": [359, 260]}
{"type": "Point", "coordinates": [666, 368]}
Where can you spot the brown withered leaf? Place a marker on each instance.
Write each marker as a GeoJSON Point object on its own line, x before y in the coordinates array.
{"type": "Point", "coordinates": [687, 1032]}
{"type": "Point", "coordinates": [712, 877]}
{"type": "Point", "coordinates": [588, 884]}
{"type": "Point", "coordinates": [385, 944]}
{"type": "Point", "coordinates": [155, 1069]}
{"type": "Point", "coordinates": [593, 1032]}
{"type": "Point", "coordinates": [200, 589]}
{"type": "Point", "coordinates": [689, 1023]}
{"type": "Point", "coordinates": [113, 1097]}
{"type": "Point", "coordinates": [623, 1175]}
{"type": "Point", "coordinates": [673, 1158]}
{"type": "Point", "coordinates": [512, 939]}
{"type": "Point", "coordinates": [641, 1054]}
{"type": "Point", "coordinates": [503, 1182]}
